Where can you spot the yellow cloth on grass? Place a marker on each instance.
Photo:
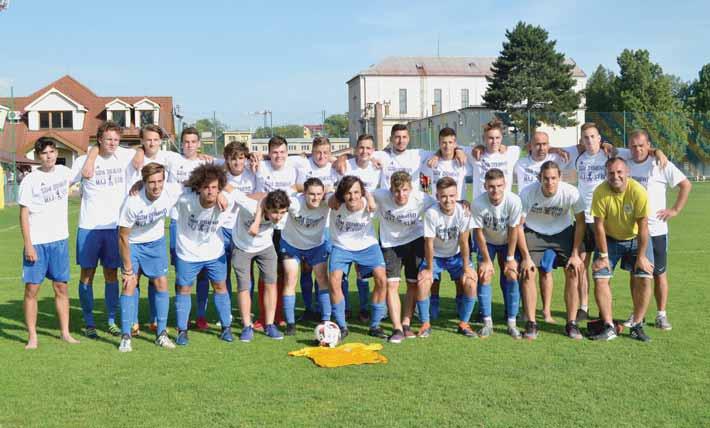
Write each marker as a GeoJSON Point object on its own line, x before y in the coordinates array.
{"type": "Point", "coordinates": [343, 355]}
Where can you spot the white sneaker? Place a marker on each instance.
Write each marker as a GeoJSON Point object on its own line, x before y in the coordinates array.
{"type": "Point", "coordinates": [662, 323]}
{"type": "Point", "coordinates": [164, 342]}
{"type": "Point", "coordinates": [125, 345]}
{"type": "Point", "coordinates": [630, 321]}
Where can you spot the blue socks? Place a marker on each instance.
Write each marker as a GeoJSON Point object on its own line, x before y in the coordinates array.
{"type": "Point", "coordinates": [378, 311]}
{"type": "Point", "coordinates": [339, 312]}
{"type": "Point", "coordinates": [511, 296]}
{"type": "Point", "coordinates": [467, 304]}
{"type": "Point", "coordinates": [183, 305]}
{"type": "Point", "coordinates": [363, 292]}
{"type": "Point", "coordinates": [485, 295]}
{"type": "Point", "coordinates": [86, 297]}
{"type": "Point", "coordinates": [203, 290]}
{"type": "Point", "coordinates": [224, 308]}
{"type": "Point", "coordinates": [162, 303]}
{"type": "Point", "coordinates": [434, 308]}
{"type": "Point", "coordinates": [111, 300]}
{"type": "Point", "coordinates": [423, 308]}
{"type": "Point", "coordinates": [289, 303]}
{"type": "Point", "coordinates": [306, 290]}
{"type": "Point", "coordinates": [127, 312]}
{"type": "Point", "coordinates": [324, 303]}
{"type": "Point", "coordinates": [151, 301]}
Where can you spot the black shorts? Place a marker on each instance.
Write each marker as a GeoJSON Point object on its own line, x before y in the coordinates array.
{"type": "Point", "coordinates": [409, 255]}
{"type": "Point", "coordinates": [276, 239]}
{"type": "Point", "coordinates": [589, 243]}
{"type": "Point", "coordinates": [561, 243]}
{"type": "Point", "coordinates": [660, 254]}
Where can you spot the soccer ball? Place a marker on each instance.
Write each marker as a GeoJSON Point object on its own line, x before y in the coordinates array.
{"type": "Point", "coordinates": [327, 333]}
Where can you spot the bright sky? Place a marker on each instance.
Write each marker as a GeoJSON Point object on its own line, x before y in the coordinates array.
{"type": "Point", "coordinates": [294, 58]}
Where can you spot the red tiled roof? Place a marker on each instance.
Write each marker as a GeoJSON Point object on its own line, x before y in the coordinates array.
{"type": "Point", "coordinates": [96, 106]}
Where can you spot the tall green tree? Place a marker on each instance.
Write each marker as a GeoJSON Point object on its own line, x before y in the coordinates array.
{"type": "Point", "coordinates": [600, 92]}
{"type": "Point", "coordinates": [532, 81]}
{"type": "Point", "coordinates": [336, 125]}
{"type": "Point", "coordinates": [701, 90]}
{"type": "Point", "coordinates": [286, 131]}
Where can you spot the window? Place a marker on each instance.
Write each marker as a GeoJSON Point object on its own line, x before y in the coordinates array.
{"type": "Point", "coordinates": [56, 120]}
{"type": "Point", "coordinates": [254, 148]}
{"type": "Point", "coordinates": [387, 109]}
{"type": "Point", "coordinates": [402, 101]}
{"type": "Point", "coordinates": [305, 147]}
{"type": "Point", "coordinates": [232, 138]}
{"type": "Point", "coordinates": [119, 117]}
{"type": "Point", "coordinates": [464, 98]}
{"type": "Point", "coordinates": [437, 101]}
{"type": "Point", "coordinates": [147, 117]}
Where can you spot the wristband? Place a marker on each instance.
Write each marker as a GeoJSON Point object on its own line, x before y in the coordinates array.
{"type": "Point", "coordinates": [603, 255]}
{"type": "Point", "coordinates": [510, 259]}
{"type": "Point", "coordinates": [127, 272]}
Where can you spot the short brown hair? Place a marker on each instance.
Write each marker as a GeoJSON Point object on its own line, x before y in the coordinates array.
{"type": "Point", "coordinates": [445, 183]}
{"type": "Point", "coordinates": [205, 174]}
{"type": "Point", "coordinates": [399, 179]}
{"type": "Point", "coordinates": [494, 174]}
{"type": "Point", "coordinates": [150, 169]}
{"type": "Point", "coordinates": [190, 130]}
{"type": "Point", "coordinates": [105, 127]}
{"type": "Point", "coordinates": [447, 132]}
{"type": "Point", "coordinates": [638, 133]}
{"type": "Point", "coordinates": [276, 200]}
{"type": "Point", "coordinates": [277, 141]}
{"type": "Point", "coordinates": [549, 165]}
{"type": "Point", "coordinates": [398, 127]}
{"type": "Point", "coordinates": [151, 128]}
{"type": "Point", "coordinates": [320, 141]}
{"type": "Point", "coordinates": [235, 148]}
{"type": "Point", "coordinates": [494, 124]}
{"type": "Point", "coordinates": [589, 125]}
{"type": "Point", "coordinates": [365, 137]}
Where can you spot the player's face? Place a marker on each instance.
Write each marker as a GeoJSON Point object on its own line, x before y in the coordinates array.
{"type": "Point", "coordinates": [448, 146]}
{"type": "Point", "coordinates": [48, 157]}
{"type": "Point", "coordinates": [275, 216]}
{"type": "Point", "coordinates": [154, 185]}
{"type": "Point", "coordinates": [550, 180]}
{"type": "Point", "coordinates": [109, 142]}
{"type": "Point", "coordinates": [495, 189]}
{"type": "Point", "coordinates": [540, 146]}
{"type": "Point", "coordinates": [401, 194]}
{"type": "Point", "coordinates": [592, 140]}
{"type": "Point", "coordinates": [364, 150]}
{"type": "Point", "coordinates": [190, 145]}
{"type": "Point", "coordinates": [616, 175]}
{"type": "Point", "coordinates": [151, 143]}
{"type": "Point", "coordinates": [278, 155]}
{"type": "Point", "coordinates": [237, 163]}
{"type": "Point", "coordinates": [400, 141]}
{"type": "Point", "coordinates": [493, 139]}
{"type": "Point", "coordinates": [447, 199]}
{"type": "Point", "coordinates": [209, 192]}
{"type": "Point", "coordinates": [321, 155]}
{"type": "Point", "coordinates": [314, 196]}
{"type": "Point", "coordinates": [640, 148]}
{"type": "Point", "coordinates": [353, 196]}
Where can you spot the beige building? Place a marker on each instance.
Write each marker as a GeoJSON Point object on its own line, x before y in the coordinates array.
{"type": "Point", "coordinates": [238, 136]}
{"type": "Point", "coordinates": [298, 146]}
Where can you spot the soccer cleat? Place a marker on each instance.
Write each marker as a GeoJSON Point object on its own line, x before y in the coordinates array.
{"type": "Point", "coordinates": [408, 333]}
{"type": "Point", "coordinates": [377, 332]}
{"type": "Point", "coordinates": [125, 345]}
{"type": "Point", "coordinates": [629, 321]}
{"type": "Point", "coordinates": [344, 333]}
{"type": "Point", "coordinates": [486, 331]}
{"type": "Point", "coordinates": [91, 332]}
{"type": "Point", "coordinates": [247, 334]}
{"type": "Point", "coordinates": [582, 315]}
{"type": "Point", "coordinates": [272, 332]}
{"type": "Point", "coordinates": [290, 330]}
{"type": "Point", "coordinates": [135, 330]}
{"type": "Point", "coordinates": [572, 331]}
{"type": "Point", "coordinates": [531, 331]}
{"type": "Point", "coordinates": [638, 333]}
{"type": "Point", "coordinates": [514, 332]}
{"type": "Point", "coordinates": [226, 334]}
{"type": "Point", "coordinates": [363, 316]}
{"type": "Point", "coordinates": [202, 324]}
{"type": "Point", "coordinates": [153, 327]}
{"type": "Point", "coordinates": [182, 339]}
{"type": "Point", "coordinates": [424, 330]}
{"type": "Point", "coordinates": [662, 323]}
{"type": "Point", "coordinates": [258, 326]}
{"type": "Point", "coordinates": [606, 334]}
{"type": "Point", "coordinates": [114, 330]}
{"type": "Point", "coordinates": [396, 337]}
{"type": "Point", "coordinates": [465, 329]}
{"type": "Point", "coordinates": [164, 341]}
{"type": "Point", "coordinates": [308, 315]}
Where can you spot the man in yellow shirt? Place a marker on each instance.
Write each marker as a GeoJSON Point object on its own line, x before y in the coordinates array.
{"type": "Point", "coordinates": [620, 210]}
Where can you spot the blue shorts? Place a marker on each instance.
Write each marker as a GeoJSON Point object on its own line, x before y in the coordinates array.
{"type": "Point", "coordinates": [453, 265]}
{"type": "Point", "coordinates": [326, 238]}
{"type": "Point", "coordinates": [500, 250]}
{"type": "Point", "coordinates": [52, 263]}
{"type": "Point", "coordinates": [228, 245]}
{"type": "Point", "coordinates": [367, 260]}
{"type": "Point", "coordinates": [186, 272]}
{"type": "Point", "coordinates": [312, 257]}
{"type": "Point", "coordinates": [93, 245]}
{"type": "Point", "coordinates": [173, 241]}
{"type": "Point", "coordinates": [150, 258]}
{"type": "Point", "coordinates": [626, 251]}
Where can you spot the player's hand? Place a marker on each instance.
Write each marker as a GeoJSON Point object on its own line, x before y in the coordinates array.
{"type": "Point", "coordinates": [468, 272]}
{"type": "Point", "coordinates": [510, 267]}
{"type": "Point", "coordinates": [485, 269]}
{"type": "Point", "coordinates": [600, 263]}
{"type": "Point", "coordinates": [460, 157]}
{"type": "Point", "coordinates": [661, 158]}
{"type": "Point", "coordinates": [376, 163]}
{"type": "Point", "coordinates": [129, 280]}
{"type": "Point", "coordinates": [30, 254]}
{"type": "Point", "coordinates": [527, 267]}
{"type": "Point", "coordinates": [433, 160]}
{"type": "Point", "coordinates": [425, 275]}
{"type": "Point", "coordinates": [477, 151]}
{"type": "Point", "coordinates": [371, 204]}
{"type": "Point", "coordinates": [608, 148]}
{"type": "Point", "coordinates": [254, 161]}
{"type": "Point", "coordinates": [643, 264]}
{"type": "Point", "coordinates": [204, 157]}
{"type": "Point", "coordinates": [574, 262]}
{"type": "Point", "coordinates": [666, 214]}
{"type": "Point", "coordinates": [341, 164]}
{"type": "Point", "coordinates": [136, 188]}
{"type": "Point", "coordinates": [502, 148]}
{"type": "Point", "coordinates": [222, 202]}
{"type": "Point", "coordinates": [466, 205]}
{"type": "Point", "coordinates": [88, 170]}
{"type": "Point", "coordinates": [561, 153]}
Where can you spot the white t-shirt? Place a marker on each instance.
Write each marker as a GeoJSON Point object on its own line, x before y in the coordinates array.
{"type": "Point", "coordinates": [45, 194]}
{"type": "Point", "coordinates": [163, 157]}
{"type": "Point", "coordinates": [245, 218]}
{"type": "Point", "coordinates": [269, 179]}
{"type": "Point", "coordinates": [446, 229]}
{"type": "Point", "coordinates": [502, 161]}
{"type": "Point", "coordinates": [305, 227]}
{"type": "Point", "coordinates": [409, 160]}
{"type": "Point", "coordinates": [550, 215]}
{"type": "Point", "coordinates": [448, 168]}
{"type": "Point", "coordinates": [369, 175]}
{"type": "Point", "coordinates": [591, 172]}
{"type": "Point", "coordinates": [494, 220]}
{"type": "Point", "coordinates": [352, 231]}
{"type": "Point", "coordinates": [198, 236]}
{"type": "Point", "coordinates": [326, 174]}
{"type": "Point", "coordinates": [401, 224]}
{"type": "Point", "coordinates": [102, 195]}
{"type": "Point", "coordinates": [244, 183]}
{"type": "Point", "coordinates": [527, 169]}
{"type": "Point", "coordinates": [146, 217]}
{"type": "Point", "coordinates": [656, 180]}
{"type": "Point", "coordinates": [179, 168]}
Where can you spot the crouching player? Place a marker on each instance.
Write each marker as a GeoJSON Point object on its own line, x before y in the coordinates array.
{"type": "Point", "coordinates": [303, 241]}
{"type": "Point", "coordinates": [352, 234]}
{"type": "Point", "coordinates": [141, 241]}
{"type": "Point", "coordinates": [548, 241]}
{"type": "Point", "coordinates": [496, 215]}
{"type": "Point", "coordinates": [447, 228]}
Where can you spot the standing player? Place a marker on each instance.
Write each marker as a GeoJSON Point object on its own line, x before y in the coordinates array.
{"type": "Point", "coordinates": [447, 165]}
{"type": "Point", "coordinates": [620, 210]}
{"type": "Point", "coordinates": [492, 158]}
{"type": "Point", "coordinates": [447, 227]}
{"type": "Point", "coordinates": [45, 231]}
{"type": "Point", "coordinates": [527, 169]}
{"type": "Point", "coordinates": [496, 217]}
{"type": "Point", "coordinates": [549, 240]}
{"type": "Point", "coordinates": [142, 247]}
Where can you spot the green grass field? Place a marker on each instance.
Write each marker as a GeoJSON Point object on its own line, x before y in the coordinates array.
{"type": "Point", "coordinates": [446, 380]}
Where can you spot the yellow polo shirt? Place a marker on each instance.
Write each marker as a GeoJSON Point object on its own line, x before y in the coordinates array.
{"type": "Point", "coordinates": [620, 211]}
